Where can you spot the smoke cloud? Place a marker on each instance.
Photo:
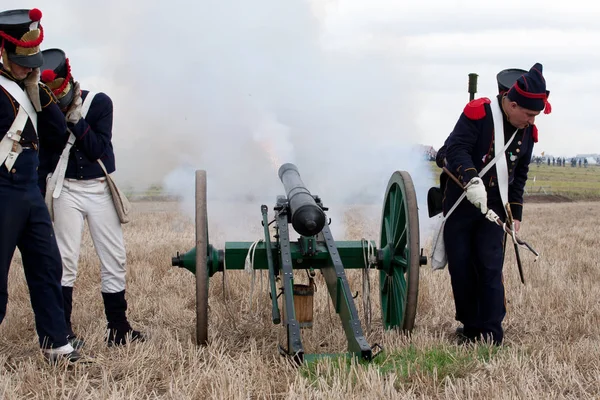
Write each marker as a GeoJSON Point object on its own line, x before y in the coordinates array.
{"type": "Point", "coordinates": [239, 88]}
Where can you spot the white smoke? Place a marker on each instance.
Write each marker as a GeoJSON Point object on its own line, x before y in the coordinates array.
{"type": "Point", "coordinates": [239, 88]}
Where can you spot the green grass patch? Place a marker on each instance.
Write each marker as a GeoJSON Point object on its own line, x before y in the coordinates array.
{"type": "Point", "coordinates": [442, 361]}
{"type": "Point", "coordinates": [576, 183]}
{"type": "Point", "coordinates": [436, 362]}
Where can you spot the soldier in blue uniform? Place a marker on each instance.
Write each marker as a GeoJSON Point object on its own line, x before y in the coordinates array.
{"type": "Point", "coordinates": [28, 111]}
{"type": "Point", "coordinates": [78, 191]}
{"type": "Point", "coordinates": [505, 79]}
{"type": "Point", "coordinates": [474, 244]}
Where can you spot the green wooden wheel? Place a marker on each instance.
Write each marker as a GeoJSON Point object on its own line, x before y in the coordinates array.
{"type": "Point", "coordinates": [399, 252]}
{"type": "Point", "coordinates": [201, 260]}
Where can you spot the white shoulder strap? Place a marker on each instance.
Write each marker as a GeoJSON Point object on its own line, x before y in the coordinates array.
{"type": "Point", "coordinates": [498, 158]}
{"type": "Point", "coordinates": [85, 107]}
{"type": "Point", "coordinates": [10, 148]}
{"type": "Point", "coordinates": [58, 177]}
{"type": "Point", "coordinates": [501, 167]}
{"type": "Point", "coordinates": [21, 97]}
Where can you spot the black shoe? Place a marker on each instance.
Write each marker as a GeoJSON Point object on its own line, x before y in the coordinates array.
{"type": "Point", "coordinates": [76, 342]}
{"type": "Point", "coordinates": [474, 336]}
{"type": "Point", "coordinates": [465, 338]}
{"type": "Point", "coordinates": [119, 337]}
{"type": "Point", "coordinates": [54, 356]}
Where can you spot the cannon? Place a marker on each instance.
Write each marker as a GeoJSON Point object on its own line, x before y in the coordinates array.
{"type": "Point", "coordinates": [307, 217]}
{"type": "Point", "coordinates": [398, 258]}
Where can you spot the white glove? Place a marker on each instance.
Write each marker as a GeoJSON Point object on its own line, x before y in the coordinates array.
{"type": "Point", "coordinates": [492, 216]}
{"type": "Point", "coordinates": [476, 194]}
{"type": "Point", "coordinates": [73, 114]}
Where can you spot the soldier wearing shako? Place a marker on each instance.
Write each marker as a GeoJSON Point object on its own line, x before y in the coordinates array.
{"type": "Point", "coordinates": [29, 118]}
{"type": "Point", "coordinates": [505, 79]}
{"type": "Point", "coordinates": [474, 244]}
{"type": "Point", "coordinates": [77, 191]}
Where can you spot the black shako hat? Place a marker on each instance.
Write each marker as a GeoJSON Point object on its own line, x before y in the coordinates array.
{"type": "Point", "coordinates": [507, 77]}
{"type": "Point", "coordinates": [56, 74]}
{"type": "Point", "coordinates": [20, 37]}
{"type": "Point", "coordinates": [529, 91]}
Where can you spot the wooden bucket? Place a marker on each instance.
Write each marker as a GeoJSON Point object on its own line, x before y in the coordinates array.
{"type": "Point", "coordinates": [303, 303]}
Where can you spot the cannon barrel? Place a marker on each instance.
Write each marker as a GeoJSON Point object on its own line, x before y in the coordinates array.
{"type": "Point", "coordinates": [308, 219]}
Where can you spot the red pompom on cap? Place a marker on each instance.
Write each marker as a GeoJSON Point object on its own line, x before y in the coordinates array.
{"type": "Point", "coordinates": [35, 14]}
{"type": "Point", "coordinates": [475, 109]}
{"type": "Point", "coordinates": [47, 76]}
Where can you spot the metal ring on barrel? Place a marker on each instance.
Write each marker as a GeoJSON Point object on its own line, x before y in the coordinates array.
{"type": "Point", "coordinates": [399, 253]}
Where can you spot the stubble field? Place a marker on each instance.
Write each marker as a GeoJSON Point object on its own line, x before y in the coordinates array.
{"type": "Point", "coordinates": [552, 327]}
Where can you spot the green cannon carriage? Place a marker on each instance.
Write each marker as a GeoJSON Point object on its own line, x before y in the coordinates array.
{"type": "Point", "coordinates": [397, 258]}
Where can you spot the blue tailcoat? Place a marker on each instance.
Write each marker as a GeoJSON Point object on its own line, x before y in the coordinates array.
{"type": "Point", "coordinates": [475, 245]}
{"type": "Point", "coordinates": [93, 141]}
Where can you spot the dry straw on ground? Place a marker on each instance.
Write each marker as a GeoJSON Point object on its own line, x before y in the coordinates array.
{"type": "Point", "coordinates": [552, 326]}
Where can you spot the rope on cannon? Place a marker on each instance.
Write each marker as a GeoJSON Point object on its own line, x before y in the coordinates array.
{"type": "Point", "coordinates": [249, 268]}
{"type": "Point", "coordinates": [370, 259]}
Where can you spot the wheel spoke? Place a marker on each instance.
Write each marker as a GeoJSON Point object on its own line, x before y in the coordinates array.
{"type": "Point", "coordinates": [398, 220]}
{"type": "Point", "coordinates": [385, 286]}
{"type": "Point", "coordinates": [400, 262]}
{"type": "Point", "coordinates": [392, 218]}
{"type": "Point", "coordinates": [401, 224]}
{"type": "Point", "coordinates": [388, 232]}
{"type": "Point", "coordinates": [401, 241]}
{"type": "Point", "coordinates": [403, 285]}
{"type": "Point", "coordinates": [390, 300]}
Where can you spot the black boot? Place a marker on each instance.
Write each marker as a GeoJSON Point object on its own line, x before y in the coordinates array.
{"type": "Point", "coordinates": [467, 335]}
{"type": "Point", "coordinates": [76, 342]}
{"type": "Point", "coordinates": [119, 330]}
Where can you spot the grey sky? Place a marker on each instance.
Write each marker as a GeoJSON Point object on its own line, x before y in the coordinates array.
{"type": "Point", "coordinates": [342, 88]}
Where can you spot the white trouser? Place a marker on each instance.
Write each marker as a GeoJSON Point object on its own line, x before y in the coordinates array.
{"type": "Point", "coordinates": [90, 199]}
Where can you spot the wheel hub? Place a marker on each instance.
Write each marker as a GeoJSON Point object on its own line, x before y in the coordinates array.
{"type": "Point", "coordinates": [386, 257]}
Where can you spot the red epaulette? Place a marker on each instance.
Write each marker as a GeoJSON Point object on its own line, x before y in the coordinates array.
{"type": "Point", "coordinates": [475, 109]}
{"type": "Point", "coordinates": [534, 134]}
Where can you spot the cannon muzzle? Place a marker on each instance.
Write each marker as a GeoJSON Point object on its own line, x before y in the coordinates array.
{"type": "Point", "coordinates": [308, 218]}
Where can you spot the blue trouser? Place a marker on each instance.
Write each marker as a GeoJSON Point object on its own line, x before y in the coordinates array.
{"type": "Point", "coordinates": [25, 223]}
{"type": "Point", "coordinates": [474, 246]}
